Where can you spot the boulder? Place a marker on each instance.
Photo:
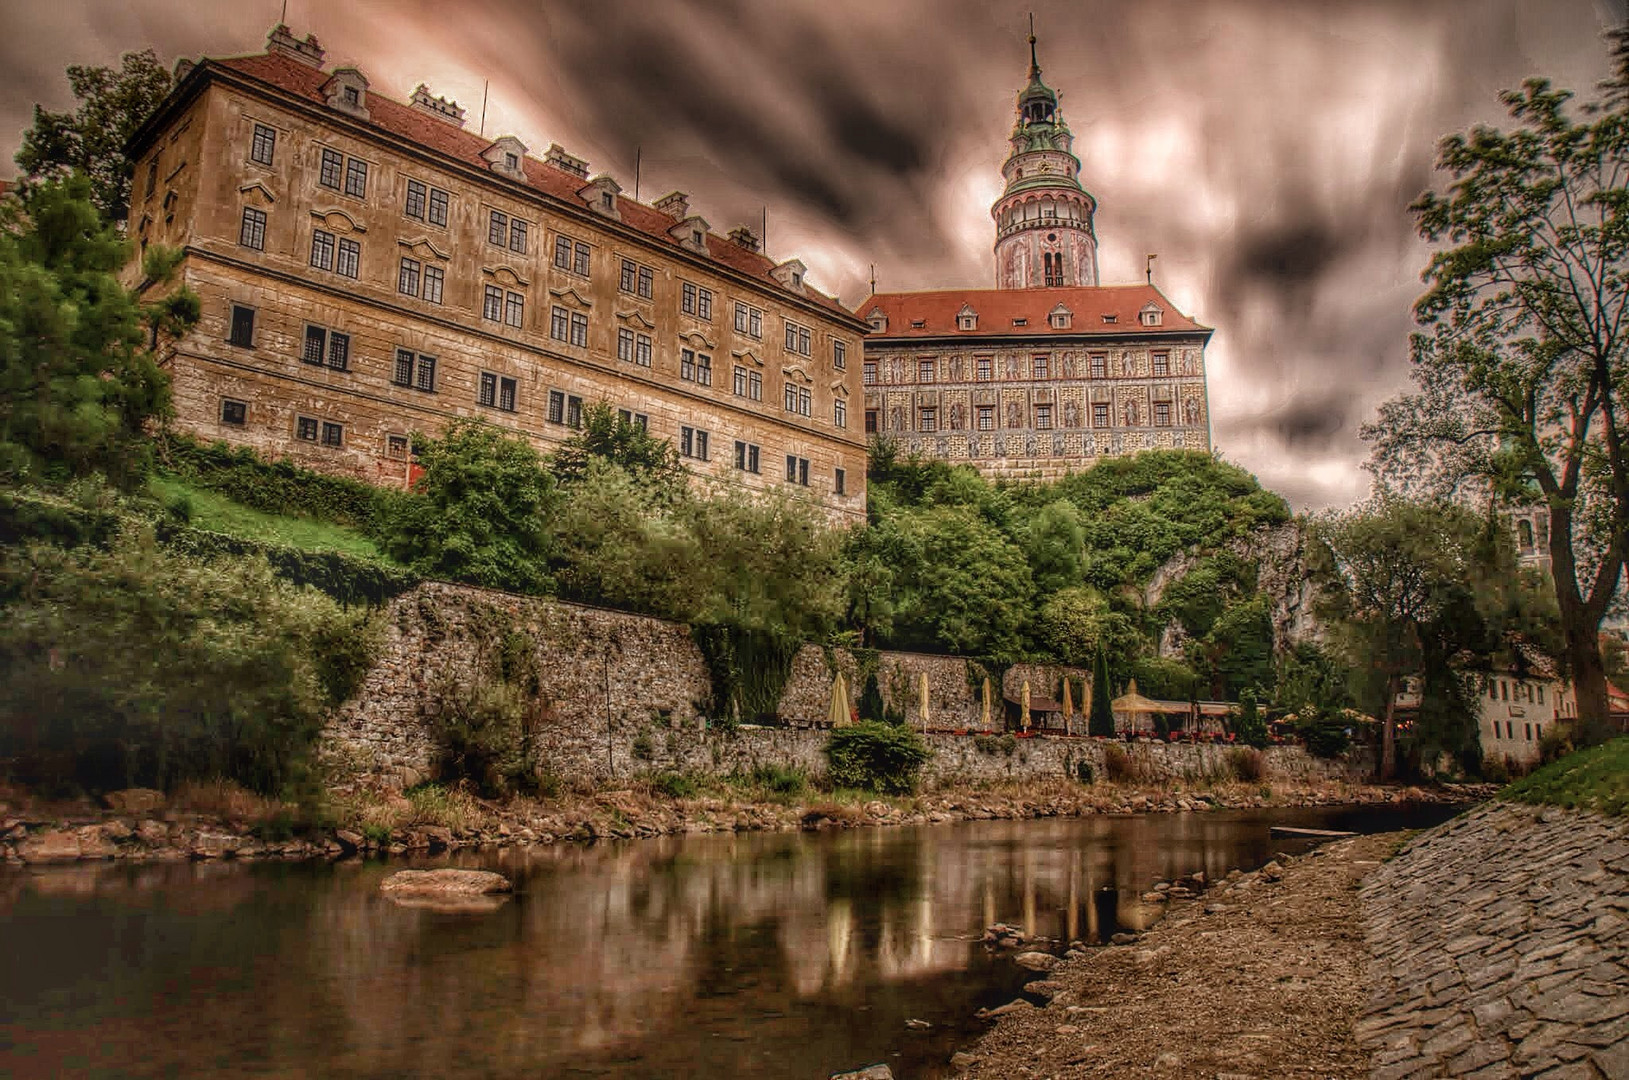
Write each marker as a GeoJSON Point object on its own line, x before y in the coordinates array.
{"type": "Point", "coordinates": [873, 1072]}
{"type": "Point", "coordinates": [1273, 871]}
{"type": "Point", "coordinates": [1036, 961]}
{"type": "Point", "coordinates": [445, 882]}
{"type": "Point", "coordinates": [51, 845]}
{"type": "Point", "coordinates": [136, 800]}
{"type": "Point", "coordinates": [94, 843]}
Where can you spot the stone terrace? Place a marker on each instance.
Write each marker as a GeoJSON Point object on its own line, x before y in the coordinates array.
{"type": "Point", "coordinates": [1500, 947]}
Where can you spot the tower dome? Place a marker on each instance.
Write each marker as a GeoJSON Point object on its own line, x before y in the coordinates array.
{"type": "Point", "coordinates": [1044, 233]}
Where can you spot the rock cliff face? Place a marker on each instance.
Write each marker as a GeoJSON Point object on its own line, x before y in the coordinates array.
{"type": "Point", "coordinates": [1280, 554]}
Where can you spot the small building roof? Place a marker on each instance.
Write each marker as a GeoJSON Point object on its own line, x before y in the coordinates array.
{"type": "Point", "coordinates": [1099, 311]}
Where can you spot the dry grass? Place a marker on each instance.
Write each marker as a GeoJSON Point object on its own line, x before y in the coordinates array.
{"type": "Point", "coordinates": [226, 800]}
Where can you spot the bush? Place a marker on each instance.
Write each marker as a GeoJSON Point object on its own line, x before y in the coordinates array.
{"type": "Point", "coordinates": [876, 757]}
{"type": "Point", "coordinates": [27, 518]}
{"type": "Point", "coordinates": [1118, 766]}
{"type": "Point", "coordinates": [1248, 764]}
{"type": "Point", "coordinates": [481, 731]}
{"type": "Point", "coordinates": [995, 744]}
{"type": "Point", "coordinates": [1083, 771]}
{"type": "Point", "coordinates": [780, 779]}
{"type": "Point", "coordinates": [1249, 726]}
{"type": "Point", "coordinates": [675, 785]}
{"type": "Point", "coordinates": [135, 667]}
{"type": "Point", "coordinates": [1326, 735]}
{"type": "Point", "coordinates": [346, 578]}
{"type": "Point", "coordinates": [278, 487]}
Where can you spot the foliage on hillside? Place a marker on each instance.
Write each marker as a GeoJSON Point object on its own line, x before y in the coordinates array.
{"type": "Point", "coordinates": [1595, 779]}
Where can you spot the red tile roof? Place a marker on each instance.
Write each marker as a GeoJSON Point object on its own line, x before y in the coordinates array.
{"type": "Point", "coordinates": [997, 308]}
{"type": "Point", "coordinates": [412, 125]}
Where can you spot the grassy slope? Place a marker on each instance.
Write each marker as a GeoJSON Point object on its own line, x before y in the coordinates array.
{"type": "Point", "coordinates": [1594, 779]}
{"type": "Point", "coordinates": [220, 514]}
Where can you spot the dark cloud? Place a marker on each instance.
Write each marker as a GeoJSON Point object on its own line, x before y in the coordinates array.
{"type": "Point", "coordinates": [1266, 149]}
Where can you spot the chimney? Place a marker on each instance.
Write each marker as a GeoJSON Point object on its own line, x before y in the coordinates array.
{"type": "Point", "coordinates": [438, 107]}
{"type": "Point", "coordinates": [744, 236]}
{"type": "Point", "coordinates": [307, 52]}
{"type": "Point", "coordinates": [558, 157]}
{"type": "Point", "coordinates": [183, 68]}
{"type": "Point", "coordinates": [674, 204]}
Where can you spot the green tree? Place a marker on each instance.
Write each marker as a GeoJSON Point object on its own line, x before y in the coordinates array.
{"type": "Point", "coordinates": [478, 511]}
{"type": "Point", "coordinates": [1077, 624]}
{"type": "Point", "coordinates": [91, 139]}
{"type": "Point", "coordinates": [606, 436]}
{"type": "Point", "coordinates": [1249, 726]}
{"type": "Point", "coordinates": [1521, 361]}
{"type": "Point", "coordinates": [614, 545]}
{"type": "Point", "coordinates": [1054, 542]}
{"type": "Point", "coordinates": [79, 383]}
{"type": "Point", "coordinates": [1102, 718]}
{"type": "Point", "coordinates": [1237, 652]}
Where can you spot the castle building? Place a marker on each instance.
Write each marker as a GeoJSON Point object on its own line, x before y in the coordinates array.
{"type": "Point", "coordinates": [1049, 370]}
{"type": "Point", "coordinates": [370, 268]}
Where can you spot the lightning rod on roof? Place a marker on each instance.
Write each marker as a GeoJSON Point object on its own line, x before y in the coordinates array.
{"type": "Point", "coordinates": [873, 279]}
{"type": "Point", "coordinates": [1149, 268]}
{"type": "Point", "coordinates": [636, 154]}
{"type": "Point", "coordinates": [485, 84]}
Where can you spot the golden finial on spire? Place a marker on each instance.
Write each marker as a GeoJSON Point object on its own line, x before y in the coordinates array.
{"type": "Point", "coordinates": [1034, 64]}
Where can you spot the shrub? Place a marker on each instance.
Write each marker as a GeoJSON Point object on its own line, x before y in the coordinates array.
{"type": "Point", "coordinates": [1083, 771]}
{"type": "Point", "coordinates": [780, 779]}
{"type": "Point", "coordinates": [1248, 764]}
{"type": "Point", "coordinates": [876, 757]}
{"type": "Point", "coordinates": [133, 666]}
{"type": "Point", "coordinates": [481, 731]}
{"type": "Point", "coordinates": [1326, 735]}
{"type": "Point", "coordinates": [1249, 727]}
{"type": "Point", "coordinates": [1117, 765]}
{"type": "Point", "coordinates": [1555, 743]}
{"type": "Point", "coordinates": [995, 744]}
{"type": "Point", "coordinates": [278, 487]}
{"type": "Point", "coordinates": [675, 785]}
{"type": "Point", "coordinates": [643, 749]}
{"type": "Point", "coordinates": [346, 578]}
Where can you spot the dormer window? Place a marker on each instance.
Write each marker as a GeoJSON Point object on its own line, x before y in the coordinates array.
{"type": "Point", "coordinates": [917, 324]}
{"type": "Point", "coordinates": [504, 156]}
{"type": "Point", "coordinates": [877, 320]}
{"type": "Point", "coordinates": [607, 200]}
{"type": "Point", "coordinates": [353, 96]}
{"type": "Point", "coordinates": [601, 194]}
{"type": "Point", "coordinates": [697, 237]}
{"type": "Point", "coordinates": [967, 318]}
{"type": "Point", "coordinates": [1020, 322]}
{"type": "Point", "coordinates": [511, 162]}
{"type": "Point", "coordinates": [1060, 318]}
{"type": "Point", "coordinates": [790, 274]}
{"type": "Point", "coordinates": [1111, 319]}
{"type": "Point", "coordinates": [346, 90]}
{"type": "Point", "coordinates": [1151, 315]}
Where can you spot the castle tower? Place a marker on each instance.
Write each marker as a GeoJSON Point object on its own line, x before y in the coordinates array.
{"type": "Point", "coordinates": [1044, 234]}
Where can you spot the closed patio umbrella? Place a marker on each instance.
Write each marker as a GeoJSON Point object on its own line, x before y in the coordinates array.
{"type": "Point", "coordinates": [984, 708]}
{"type": "Point", "coordinates": [922, 697]}
{"type": "Point", "coordinates": [1068, 707]}
{"type": "Point", "coordinates": [838, 713]}
{"type": "Point", "coordinates": [1023, 705]}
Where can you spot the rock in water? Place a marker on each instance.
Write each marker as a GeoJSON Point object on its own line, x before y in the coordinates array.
{"type": "Point", "coordinates": [1036, 961]}
{"type": "Point", "coordinates": [445, 882]}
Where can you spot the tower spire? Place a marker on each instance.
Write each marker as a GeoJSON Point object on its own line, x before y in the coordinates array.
{"type": "Point", "coordinates": [1034, 64]}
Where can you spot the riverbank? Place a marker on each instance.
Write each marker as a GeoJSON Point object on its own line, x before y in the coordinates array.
{"type": "Point", "coordinates": [1493, 946]}
{"type": "Point", "coordinates": [220, 822]}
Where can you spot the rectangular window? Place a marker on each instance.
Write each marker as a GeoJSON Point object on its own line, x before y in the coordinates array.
{"type": "Point", "coordinates": [697, 301]}
{"type": "Point", "coordinates": [579, 329]}
{"type": "Point", "coordinates": [791, 468]}
{"type": "Point", "coordinates": [1528, 730]}
{"type": "Point", "coordinates": [1100, 414]}
{"type": "Point", "coordinates": [1162, 363]}
{"type": "Point", "coordinates": [868, 373]}
{"type": "Point", "coordinates": [630, 274]}
{"type": "Point", "coordinates": [790, 402]}
{"type": "Point", "coordinates": [839, 413]}
{"type": "Point", "coordinates": [924, 371]}
{"type": "Point", "coordinates": [642, 350]}
{"type": "Point", "coordinates": [704, 305]}
{"type": "Point", "coordinates": [1039, 367]}
{"type": "Point", "coordinates": [693, 443]}
{"type": "Point", "coordinates": [416, 195]}
{"type": "Point", "coordinates": [396, 447]}
{"type": "Point", "coordinates": [348, 263]}
{"type": "Point", "coordinates": [557, 407]}
{"type": "Point", "coordinates": [985, 368]}
{"type": "Point", "coordinates": [687, 365]}
{"type": "Point", "coordinates": [514, 312]}
{"type": "Point", "coordinates": [333, 434]}
{"type": "Point", "coordinates": [562, 252]}
{"type": "Point", "coordinates": [235, 413]}
{"type": "Point", "coordinates": [316, 345]}
{"type": "Point", "coordinates": [1541, 695]}
{"type": "Point", "coordinates": [506, 395]}
{"type": "Point", "coordinates": [434, 279]}
{"type": "Point", "coordinates": [740, 384]}
{"type": "Point", "coordinates": [624, 344]}
{"type": "Point", "coordinates": [840, 483]}
{"type": "Point", "coordinates": [1162, 414]}
{"type": "Point", "coordinates": [356, 180]}
{"type": "Point", "coordinates": [263, 146]}
{"type": "Point", "coordinates": [407, 278]}
{"type": "Point", "coordinates": [253, 230]}
{"type": "Point", "coordinates": [492, 303]}
{"type": "Point", "coordinates": [574, 411]}
{"type": "Point", "coordinates": [333, 166]}
{"type": "Point", "coordinates": [1493, 690]}
{"type": "Point", "coordinates": [517, 236]}
{"type": "Point", "coordinates": [687, 298]}
{"type": "Point", "coordinates": [797, 339]}
{"type": "Point", "coordinates": [339, 350]}
{"type": "Point", "coordinates": [579, 259]}
{"type": "Point", "coordinates": [427, 375]}
{"type": "Point", "coordinates": [634, 419]}
{"type": "Point", "coordinates": [646, 282]}
{"type": "Point", "coordinates": [746, 456]}
{"type": "Point", "coordinates": [871, 421]}
{"type": "Point", "coordinates": [839, 355]}
{"type": "Point", "coordinates": [305, 429]}
{"type": "Point", "coordinates": [403, 374]}
{"type": "Point", "coordinates": [438, 207]}
{"type": "Point", "coordinates": [1099, 365]}
{"type": "Point", "coordinates": [488, 392]}
{"type": "Point", "coordinates": [1043, 417]}
{"type": "Point", "coordinates": [986, 418]}
{"type": "Point", "coordinates": [559, 323]}
{"type": "Point", "coordinates": [497, 229]}
{"type": "Point", "coordinates": [322, 250]}
{"type": "Point", "coordinates": [927, 419]}
{"type": "Point", "coordinates": [243, 327]}
{"type": "Point", "coordinates": [749, 320]}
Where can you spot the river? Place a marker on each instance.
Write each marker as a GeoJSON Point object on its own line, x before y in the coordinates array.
{"type": "Point", "coordinates": [754, 955]}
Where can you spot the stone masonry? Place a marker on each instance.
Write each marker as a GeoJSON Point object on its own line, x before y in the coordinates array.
{"type": "Point", "coordinates": [1500, 947]}
{"type": "Point", "coordinates": [621, 694]}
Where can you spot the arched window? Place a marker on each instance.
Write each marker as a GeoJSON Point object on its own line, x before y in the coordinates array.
{"type": "Point", "coordinates": [1524, 529]}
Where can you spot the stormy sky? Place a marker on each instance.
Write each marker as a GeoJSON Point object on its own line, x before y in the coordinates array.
{"type": "Point", "coordinates": [1267, 150]}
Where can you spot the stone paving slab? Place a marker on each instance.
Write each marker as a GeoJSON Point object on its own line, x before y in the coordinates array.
{"type": "Point", "coordinates": [1499, 947]}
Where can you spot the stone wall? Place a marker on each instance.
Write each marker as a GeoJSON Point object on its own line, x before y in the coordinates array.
{"type": "Point", "coordinates": [620, 694]}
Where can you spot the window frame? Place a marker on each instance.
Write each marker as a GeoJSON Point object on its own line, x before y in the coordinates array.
{"type": "Point", "coordinates": [438, 276]}
{"type": "Point", "coordinates": [264, 136]}
{"type": "Point", "coordinates": [409, 274]}
{"type": "Point", "coordinates": [331, 159]}
{"type": "Point", "coordinates": [417, 192]}
{"type": "Point", "coordinates": [252, 229]}
{"type": "Point", "coordinates": [241, 408]}
{"type": "Point", "coordinates": [348, 258]}
{"type": "Point", "coordinates": [324, 243]}
{"type": "Point", "coordinates": [492, 303]}
{"type": "Point", "coordinates": [356, 178]}
{"type": "Point", "coordinates": [233, 338]}
{"type": "Point", "coordinates": [333, 435]}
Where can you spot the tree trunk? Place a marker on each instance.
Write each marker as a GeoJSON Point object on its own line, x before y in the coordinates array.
{"type": "Point", "coordinates": [1388, 732]}
{"type": "Point", "coordinates": [1589, 684]}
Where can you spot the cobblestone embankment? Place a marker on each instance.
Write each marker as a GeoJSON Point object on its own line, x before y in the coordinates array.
{"type": "Point", "coordinates": [1500, 945]}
